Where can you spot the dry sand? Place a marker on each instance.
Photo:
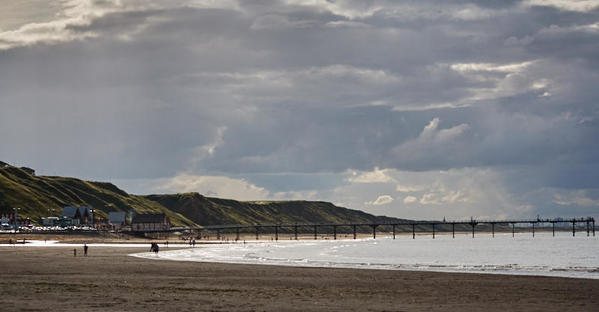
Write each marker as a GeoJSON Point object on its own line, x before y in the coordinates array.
{"type": "Point", "coordinates": [43, 279]}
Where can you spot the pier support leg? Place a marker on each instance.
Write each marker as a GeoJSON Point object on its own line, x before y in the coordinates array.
{"type": "Point", "coordinates": [593, 228]}
{"type": "Point", "coordinates": [393, 231]}
{"type": "Point", "coordinates": [473, 225]}
{"type": "Point", "coordinates": [276, 233]}
{"type": "Point", "coordinates": [373, 231]}
{"type": "Point", "coordinates": [433, 231]}
{"type": "Point", "coordinates": [588, 229]}
{"type": "Point", "coordinates": [513, 229]}
{"type": "Point", "coordinates": [315, 232]}
{"type": "Point", "coordinates": [295, 229]}
{"type": "Point", "coordinates": [533, 230]}
{"type": "Point", "coordinates": [334, 232]}
{"type": "Point", "coordinates": [236, 234]}
{"type": "Point", "coordinates": [354, 231]}
{"type": "Point", "coordinates": [553, 228]}
{"type": "Point", "coordinates": [257, 233]}
{"type": "Point", "coordinates": [413, 231]}
{"type": "Point", "coordinates": [217, 234]}
{"type": "Point", "coordinates": [573, 228]}
{"type": "Point", "coordinates": [493, 229]}
{"type": "Point", "coordinates": [453, 230]}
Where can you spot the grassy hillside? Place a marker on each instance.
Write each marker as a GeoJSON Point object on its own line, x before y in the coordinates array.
{"type": "Point", "coordinates": [38, 195]}
{"type": "Point", "coordinates": [216, 211]}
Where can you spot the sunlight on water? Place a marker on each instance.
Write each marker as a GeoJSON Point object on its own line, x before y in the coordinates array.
{"type": "Point", "coordinates": [562, 255]}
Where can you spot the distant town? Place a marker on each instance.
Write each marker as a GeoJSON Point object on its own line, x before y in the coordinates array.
{"type": "Point", "coordinates": [82, 218]}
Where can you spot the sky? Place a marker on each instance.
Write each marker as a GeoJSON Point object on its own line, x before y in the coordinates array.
{"type": "Point", "coordinates": [416, 109]}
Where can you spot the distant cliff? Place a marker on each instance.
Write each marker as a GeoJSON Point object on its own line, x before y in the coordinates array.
{"type": "Point", "coordinates": [42, 196]}
{"type": "Point", "coordinates": [216, 211]}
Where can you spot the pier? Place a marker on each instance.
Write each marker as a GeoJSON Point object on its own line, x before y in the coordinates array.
{"type": "Point", "coordinates": [414, 227]}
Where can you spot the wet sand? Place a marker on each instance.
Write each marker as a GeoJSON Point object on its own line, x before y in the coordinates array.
{"type": "Point", "coordinates": [43, 279]}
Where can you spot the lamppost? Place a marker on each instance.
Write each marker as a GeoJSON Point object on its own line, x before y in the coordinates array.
{"type": "Point", "coordinates": [92, 214]}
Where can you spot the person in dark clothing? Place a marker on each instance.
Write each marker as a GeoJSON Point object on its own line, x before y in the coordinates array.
{"type": "Point", "coordinates": [85, 250]}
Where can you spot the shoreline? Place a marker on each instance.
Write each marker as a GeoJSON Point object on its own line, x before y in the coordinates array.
{"type": "Point", "coordinates": [230, 237]}
{"type": "Point", "coordinates": [110, 280]}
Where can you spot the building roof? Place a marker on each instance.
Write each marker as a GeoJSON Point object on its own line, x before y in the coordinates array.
{"type": "Point", "coordinates": [116, 217]}
{"type": "Point", "coordinates": [71, 211]}
{"type": "Point", "coordinates": [149, 218]}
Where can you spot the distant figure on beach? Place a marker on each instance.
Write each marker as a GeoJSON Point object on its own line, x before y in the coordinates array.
{"type": "Point", "coordinates": [85, 250]}
{"type": "Point", "coordinates": [74, 252]}
{"type": "Point", "coordinates": [193, 243]}
{"type": "Point", "coordinates": [154, 248]}
{"type": "Point", "coordinates": [166, 244]}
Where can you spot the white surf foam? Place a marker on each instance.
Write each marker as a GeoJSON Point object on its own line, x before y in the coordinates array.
{"type": "Point", "coordinates": [563, 255]}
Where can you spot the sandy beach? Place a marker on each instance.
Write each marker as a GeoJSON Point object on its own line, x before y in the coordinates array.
{"type": "Point", "coordinates": [42, 279]}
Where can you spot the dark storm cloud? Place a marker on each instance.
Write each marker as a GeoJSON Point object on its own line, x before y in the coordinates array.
{"type": "Point", "coordinates": [269, 89]}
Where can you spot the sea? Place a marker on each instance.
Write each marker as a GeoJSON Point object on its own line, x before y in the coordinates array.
{"type": "Point", "coordinates": [543, 254]}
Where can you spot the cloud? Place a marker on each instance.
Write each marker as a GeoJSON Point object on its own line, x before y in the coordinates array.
{"type": "Point", "coordinates": [578, 198]}
{"type": "Point", "coordinates": [434, 145]}
{"type": "Point", "coordinates": [410, 199]}
{"type": "Point", "coordinates": [215, 186]}
{"type": "Point", "coordinates": [74, 13]}
{"type": "Point", "coordinates": [375, 176]}
{"type": "Point", "coordinates": [409, 188]}
{"type": "Point", "coordinates": [381, 200]}
{"type": "Point", "coordinates": [489, 67]}
{"type": "Point", "coordinates": [578, 6]}
{"type": "Point", "coordinates": [443, 198]}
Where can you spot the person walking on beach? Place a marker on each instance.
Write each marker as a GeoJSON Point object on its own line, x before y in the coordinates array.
{"type": "Point", "coordinates": [85, 250]}
{"type": "Point", "coordinates": [154, 248]}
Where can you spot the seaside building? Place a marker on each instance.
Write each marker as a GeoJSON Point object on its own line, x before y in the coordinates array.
{"type": "Point", "coordinates": [117, 219]}
{"type": "Point", "coordinates": [78, 215]}
{"type": "Point", "coordinates": [102, 224]}
{"type": "Point", "coordinates": [50, 221]}
{"type": "Point", "coordinates": [150, 222]}
{"type": "Point", "coordinates": [4, 221]}
{"type": "Point", "coordinates": [7, 218]}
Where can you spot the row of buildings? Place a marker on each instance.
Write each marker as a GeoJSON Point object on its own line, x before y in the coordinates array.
{"type": "Point", "coordinates": [117, 220]}
{"type": "Point", "coordinates": [10, 218]}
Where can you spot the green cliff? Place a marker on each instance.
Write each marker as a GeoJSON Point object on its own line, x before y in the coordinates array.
{"type": "Point", "coordinates": [42, 196]}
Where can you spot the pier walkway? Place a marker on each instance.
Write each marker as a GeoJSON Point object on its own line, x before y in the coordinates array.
{"type": "Point", "coordinates": [587, 223]}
